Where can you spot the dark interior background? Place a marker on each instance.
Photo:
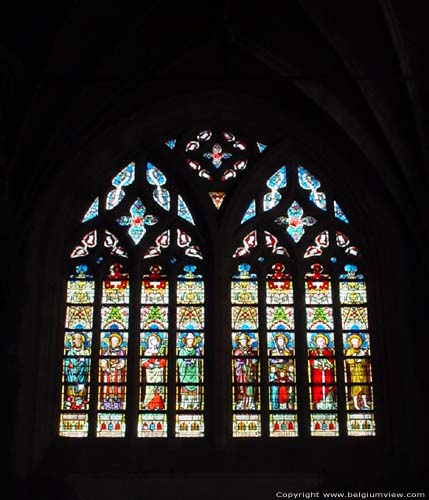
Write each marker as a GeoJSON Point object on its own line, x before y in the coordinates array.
{"type": "Point", "coordinates": [87, 85]}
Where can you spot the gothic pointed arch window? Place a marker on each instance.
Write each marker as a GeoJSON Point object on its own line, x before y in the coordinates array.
{"type": "Point", "coordinates": [136, 333]}
{"type": "Point", "coordinates": [299, 322]}
{"type": "Point", "coordinates": [134, 338]}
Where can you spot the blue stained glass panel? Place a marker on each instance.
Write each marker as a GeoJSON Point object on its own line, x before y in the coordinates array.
{"type": "Point", "coordinates": [114, 197]}
{"type": "Point", "coordinates": [250, 212]}
{"type": "Point", "coordinates": [310, 183]}
{"type": "Point", "coordinates": [125, 177]}
{"type": "Point", "coordinates": [183, 210]}
{"type": "Point", "coordinates": [339, 214]}
{"type": "Point", "coordinates": [92, 211]}
{"type": "Point", "coordinates": [154, 176]}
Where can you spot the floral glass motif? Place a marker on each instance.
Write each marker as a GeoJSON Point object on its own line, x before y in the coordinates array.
{"type": "Point", "coordinates": [156, 178]}
{"type": "Point", "coordinates": [161, 242]}
{"type": "Point", "coordinates": [250, 241]}
{"type": "Point", "coordinates": [92, 211]}
{"type": "Point", "coordinates": [344, 242]}
{"type": "Point", "coordinates": [295, 221]}
{"type": "Point", "coordinates": [138, 221]}
{"type": "Point", "coordinates": [320, 242]}
{"type": "Point", "coordinates": [310, 183]}
{"type": "Point", "coordinates": [273, 243]}
{"type": "Point", "coordinates": [277, 181]}
{"type": "Point", "coordinates": [124, 178]}
{"type": "Point", "coordinates": [185, 241]}
{"type": "Point", "coordinates": [112, 242]}
{"type": "Point", "coordinates": [217, 155]}
{"type": "Point", "coordinates": [88, 241]}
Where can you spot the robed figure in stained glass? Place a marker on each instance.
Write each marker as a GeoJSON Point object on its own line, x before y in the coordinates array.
{"type": "Point", "coordinates": [154, 369]}
{"type": "Point", "coordinates": [76, 370]}
{"type": "Point", "coordinates": [245, 372]}
{"type": "Point", "coordinates": [358, 372]}
{"type": "Point", "coordinates": [189, 373]}
{"type": "Point", "coordinates": [113, 372]}
{"type": "Point", "coordinates": [322, 373]}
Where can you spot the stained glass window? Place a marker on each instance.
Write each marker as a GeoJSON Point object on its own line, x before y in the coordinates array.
{"type": "Point", "coordinates": [76, 366]}
{"type": "Point", "coordinates": [104, 334]}
{"type": "Point", "coordinates": [141, 302]}
{"type": "Point", "coordinates": [245, 354]}
{"type": "Point", "coordinates": [321, 353]}
{"type": "Point", "coordinates": [357, 353]}
{"type": "Point", "coordinates": [295, 237]}
{"type": "Point", "coordinates": [283, 421]}
{"type": "Point", "coordinates": [112, 369]}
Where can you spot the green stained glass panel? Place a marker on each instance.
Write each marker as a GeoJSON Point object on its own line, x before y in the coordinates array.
{"type": "Point", "coordinates": [114, 317]}
{"type": "Point", "coordinates": [320, 318]}
{"type": "Point", "coordinates": [154, 317]}
{"type": "Point", "coordinates": [280, 318]}
{"type": "Point", "coordinates": [189, 397]}
{"type": "Point", "coordinates": [190, 344]}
